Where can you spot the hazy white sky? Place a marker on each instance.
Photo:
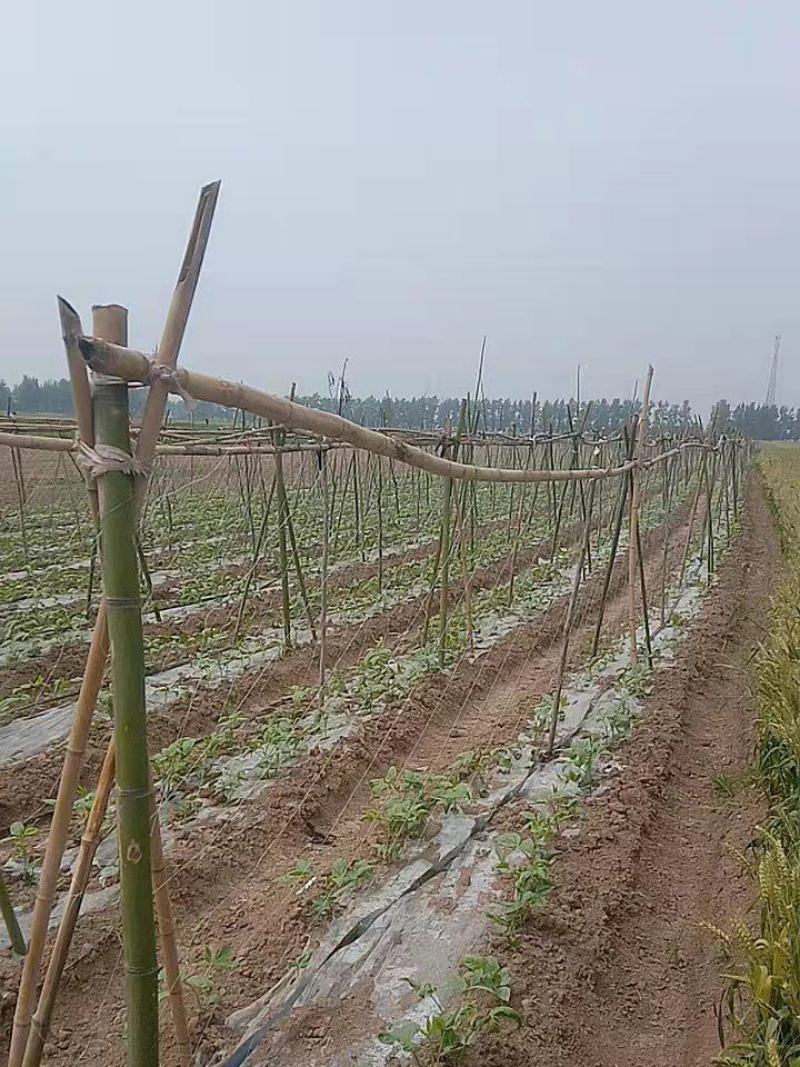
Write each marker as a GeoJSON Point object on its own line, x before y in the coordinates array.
{"type": "Point", "coordinates": [604, 183]}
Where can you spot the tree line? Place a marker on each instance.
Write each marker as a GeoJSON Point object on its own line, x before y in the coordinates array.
{"type": "Point", "coordinates": [30, 396]}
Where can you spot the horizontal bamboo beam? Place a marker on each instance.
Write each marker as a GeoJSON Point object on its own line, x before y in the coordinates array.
{"type": "Point", "coordinates": [63, 444]}
{"type": "Point", "coordinates": [132, 366]}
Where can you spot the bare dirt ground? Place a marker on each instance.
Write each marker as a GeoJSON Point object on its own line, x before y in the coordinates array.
{"type": "Point", "coordinates": [617, 971]}
{"type": "Point", "coordinates": [228, 887]}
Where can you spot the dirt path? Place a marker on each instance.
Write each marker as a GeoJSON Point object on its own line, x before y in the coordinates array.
{"type": "Point", "coordinates": [617, 971]}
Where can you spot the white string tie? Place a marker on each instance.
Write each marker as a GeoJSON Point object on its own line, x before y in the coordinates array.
{"type": "Point", "coordinates": [107, 459]}
{"type": "Point", "coordinates": [159, 372]}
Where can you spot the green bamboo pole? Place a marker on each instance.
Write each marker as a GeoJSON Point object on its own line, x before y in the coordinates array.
{"type": "Point", "coordinates": [10, 919]}
{"type": "Point", "coordinates": [121, 590]}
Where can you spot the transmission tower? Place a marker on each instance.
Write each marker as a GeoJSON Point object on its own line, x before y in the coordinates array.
{"type": "Point", "coordinates": [773, 373]}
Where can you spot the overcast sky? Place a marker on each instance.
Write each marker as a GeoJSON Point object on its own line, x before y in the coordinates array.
{"type": "Point", "coordinates": [604, 183]}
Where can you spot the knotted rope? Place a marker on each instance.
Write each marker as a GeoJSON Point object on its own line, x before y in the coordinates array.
{"type": "Point", "coordinates": [105, 459]}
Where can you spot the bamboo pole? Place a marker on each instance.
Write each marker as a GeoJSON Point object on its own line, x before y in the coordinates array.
{"type": "Point", "coordinates": [283, 556]}
{"type": "Point", "coordinates": [136, 366]}
{"type": "Point", "coordinates": [635, 497]}
{"type": "Point", "coordinates": [166, 930]}
{"type": "Point", "coordinates": [301, 581]}
{"type": "Point", "coordinates": [10, 918]}
{"type": "Point", "coordinates": [643, 590]}
{"type": "Point", "coordinates": [323, 587]}
{"type": "Point", "coordinates": [568, 624]}
{"type": "Point", "coordinates": [620, 514]}
{"type": "Point", "coordinates": [81, 871]}
{"type": "Point", "coordinates": [171, 339]}
{"type": "Point", "coordinates": [465, 576]}
{"type": "Point", "coordinates": [16, 464]}
{"type": "Point", "coordinates": [444, 591]}
{"type": "Point", "coordinates": [134, 796]}
{"type": "Point", "coordinates": [262, 533]}
{"type": "Point", "coordinates": [518, 534]}
{"type": "Point", "coordinates": [379, 505]}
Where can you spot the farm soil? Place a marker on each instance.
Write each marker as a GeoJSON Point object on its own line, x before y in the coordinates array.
{"type": "Point", "coordinates": [227, 881]}
{"type": "Point", "coordinates": [618, 970]}
{"type": "Point", "coordinates": [23, 795]}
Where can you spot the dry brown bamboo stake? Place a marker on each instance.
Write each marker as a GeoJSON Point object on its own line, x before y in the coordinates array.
{"type": "Point", "coordinates": [16, 464]}
{"type": "Point", "coordinates": [568, 624]}
{"type": "Point", "coordinates": [465, 575]}
{"type": "Point", "coordinates": [59, 829]}
{"type": "Point", "coordinates": [379, 505]}
{"type": "Point", "coordinates": [357, 506]}
{"type": "Point", "coordinates": [80, 879]}
{"type": "Point", "coordinates": [689, 533]}
{"type": "Point", "coordinates": [301, 581]}
{"type": "Point", "coordinates": [323, 587]}
{"type": "Point", "coordinates": [254, 566]}
{"type": "Point", "coordinates": [634, 534]}
{"type": "Point", "coordinates": [98, 650]}
{"type": "Point", "coordinates": [283, 556]}
{"type": "Point", "coordinates": [645, 603]}
{"type": "Point", "coordinates": [518, 534]}
{"type": "Point", "coordinates": [166, 930]}
{"type": "Point", "coordinates": [667, 491]}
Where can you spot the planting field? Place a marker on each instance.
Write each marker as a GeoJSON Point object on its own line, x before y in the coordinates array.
{"type": "Point", "coordinates": [405, 770]}
{"type": "Point", "coordinates": [330, 746]}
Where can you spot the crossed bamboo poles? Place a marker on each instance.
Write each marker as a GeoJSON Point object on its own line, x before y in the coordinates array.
{"type": "Point", "coordinates": [30, 1030]}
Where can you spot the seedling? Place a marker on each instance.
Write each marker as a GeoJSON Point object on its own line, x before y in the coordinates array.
{"type": "Point", "coordinates": [22, 835]}
{"type": "Point", "coordinates": [484, 991]}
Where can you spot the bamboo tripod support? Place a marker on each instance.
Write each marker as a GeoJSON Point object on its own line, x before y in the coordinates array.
{"type": "Point", "coordinates": [172, 337]}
